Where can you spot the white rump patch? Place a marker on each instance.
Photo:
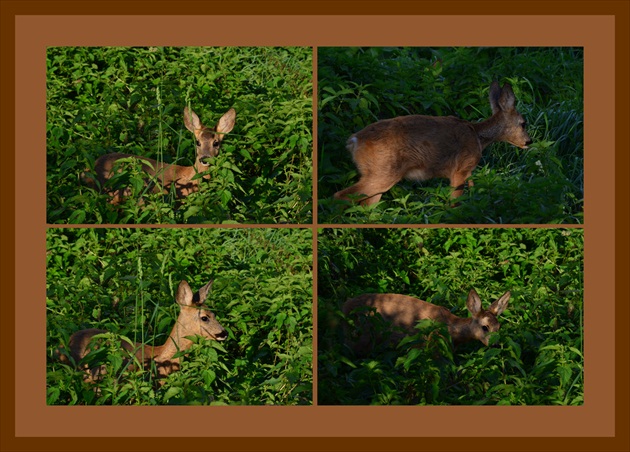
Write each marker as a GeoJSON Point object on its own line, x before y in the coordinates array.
{"type": "Point", "coordinates": [417, 174]}
{"type": "Point", "coordinates": [351, 144]}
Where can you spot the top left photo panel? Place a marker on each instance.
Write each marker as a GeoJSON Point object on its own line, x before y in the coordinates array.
{"type": "Point", "coordinates": [179, 135]}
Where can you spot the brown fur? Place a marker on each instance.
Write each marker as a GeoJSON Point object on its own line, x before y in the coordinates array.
{"type": "Point", "coordinates": [207, 146]}
{"type": "Point", "coordinates": [402, 312]}
{"type": "Point", "coordinates": [420, 147]}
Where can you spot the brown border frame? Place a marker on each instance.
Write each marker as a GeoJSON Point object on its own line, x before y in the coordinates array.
{"type": "Point", "coordinates": [8, 183]}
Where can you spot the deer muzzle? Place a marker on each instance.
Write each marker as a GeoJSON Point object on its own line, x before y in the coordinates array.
{"type": "Point", "coordinates": [205, 161]}
{"type": "Point", "coordinates": [220, 336]}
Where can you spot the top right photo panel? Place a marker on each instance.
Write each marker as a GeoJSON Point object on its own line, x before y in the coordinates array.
{"type": "Point", "coordinates": [450, 135]}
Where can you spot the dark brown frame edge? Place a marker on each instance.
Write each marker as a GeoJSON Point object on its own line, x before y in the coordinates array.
{"type": "Point", "coordinates": [8, 222]}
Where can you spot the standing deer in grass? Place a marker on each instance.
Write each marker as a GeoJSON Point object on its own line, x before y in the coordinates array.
{"type": "Point", "coordinates": [420, 147]}
{"type": "Point", "coordinates": [207, 143]}
{"type": "Point", "coordinates": [194, 320]}
{"type": "Point", "coordinates": [403, 312]}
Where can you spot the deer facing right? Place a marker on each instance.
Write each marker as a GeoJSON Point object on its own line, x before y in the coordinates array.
{"type": "Point", "coordinates": [207, 143]}
{"type": "Point", "coordinates": [403, 312]}
{"type": "Point", "coordinates": [194, 320]}
{"type": "Point", "coordinates": [418, 147]}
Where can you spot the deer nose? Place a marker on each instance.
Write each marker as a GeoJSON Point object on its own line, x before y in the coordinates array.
{"type": "Point", "coordinates": [221, 336]}
{"type": "Point", "coordinates": [205, 161]}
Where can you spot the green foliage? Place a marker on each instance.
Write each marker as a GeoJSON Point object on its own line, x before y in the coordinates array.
{"type": "Point", "coordinates": [124, 281]}
{"type": "Point", "coordinates": [535, 359]}
{"type": "Point", "coordinates": [543, 184]}
{"type": "Point", "coordinates": [111, 99]}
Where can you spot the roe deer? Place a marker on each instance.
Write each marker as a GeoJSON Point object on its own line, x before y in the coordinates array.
{"type": "Point", "coordinates": [420, 147]}
{"type": "Point", "coordinates": [194, 320]}
{"type": "Point", "coordinates": [207, 143]}
{"type": "Point", "coordinates": [403, 312]}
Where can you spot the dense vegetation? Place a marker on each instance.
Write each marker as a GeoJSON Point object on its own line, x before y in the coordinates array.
{"type": "Point", "coordinates": [110, 99]}
{"type": "Point", "coordinates": [124, 281]}
{"type": "Point", "coordinates": [535, 359]}
{"type": "Point", "coordinates": [102, 100]}
{"type": "Point", "coordinates": [543, 184]}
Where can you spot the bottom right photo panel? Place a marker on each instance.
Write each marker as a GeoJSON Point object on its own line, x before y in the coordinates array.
{"type": "Point", "coordinates": [450, 316]}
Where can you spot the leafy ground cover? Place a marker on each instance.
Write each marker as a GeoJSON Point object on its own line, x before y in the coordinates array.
{"type": "Point", "coordinates": [543, 184]}
{"type": "Point", "coordinates": [131, 100]}
{"type": "Point", "coordinates": [124, 281]}
{"type": "Point", "coordinates": [536, 358]}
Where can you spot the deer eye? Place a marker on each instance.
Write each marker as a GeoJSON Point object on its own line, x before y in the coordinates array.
{"type": "Point", "coordinates": [197, 143]}
{"type": "Point", "coordinates": [485, 328]}
{"type": "Point", "coordinates": [216, 143]}
{"type": "Point", "coordinates": [204, 318]}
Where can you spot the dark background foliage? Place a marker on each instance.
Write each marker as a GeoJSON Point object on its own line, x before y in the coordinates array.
{"type": "Point", "coordinates": [535, 359]}
{"type": "Point", "coordinates": [544, 184]}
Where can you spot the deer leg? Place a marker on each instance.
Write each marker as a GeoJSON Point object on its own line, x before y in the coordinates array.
{"type": "Point", "coordinates": [116, 197]}
{"type": "Point", "coordinates": [362, 197]}
{"type": "Point", "coordinates": [372, 190]}
{"type": "Point", "coordinates": [459, 182]}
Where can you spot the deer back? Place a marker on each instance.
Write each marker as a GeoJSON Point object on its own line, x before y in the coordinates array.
{"type": "Point", "coordinates": [419, 147]}
{"type": "Point", "coordinates": [414, 147]}
{"type": "Point", "coordinates": [399, 313]}
{"type": "Point", "coordinates": [403, 312]}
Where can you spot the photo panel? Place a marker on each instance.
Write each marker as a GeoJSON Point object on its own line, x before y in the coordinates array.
{"type": "Point", "coordinates": [214, 316]}
{"type": "Point", "coordinates": [275, 273]}
{"type": "Point", "coordinates": [456, 135]}
{"type": "Point", "coordinates": [153, 135]}
{"type": "Point", "coordinates": [451, 316]}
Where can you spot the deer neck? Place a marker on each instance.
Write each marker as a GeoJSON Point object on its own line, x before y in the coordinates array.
{"type": "Point", "coordinates": [173, 344]}
{"type": "Point", "coordinates": [488, 131]}
{"type": "Point", "coordinates": [459, 329]}
{"type": "Point", "coordinates": [199, 168]}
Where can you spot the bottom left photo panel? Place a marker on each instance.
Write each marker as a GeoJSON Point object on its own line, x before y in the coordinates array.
{"type": "Point", "coordinates": [164, 316]}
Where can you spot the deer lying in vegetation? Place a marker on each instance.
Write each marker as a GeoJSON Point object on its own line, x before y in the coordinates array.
{"type": "Point", "coordinates": [402, 312]}
{"type": "Point", "coordinates": [193, 320]}
{"type": "Point", "coordinates": [420, 147]}
{"type": "Point", "coordinates": [207, 144]}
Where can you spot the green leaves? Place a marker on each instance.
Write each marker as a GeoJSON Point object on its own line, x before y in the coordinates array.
{"type": "Point", "coordinates": [124, 281]}
{"type": "Point", "coordinates": [534, 359]}
{"type": "Point", "coordinates": [113, 99]}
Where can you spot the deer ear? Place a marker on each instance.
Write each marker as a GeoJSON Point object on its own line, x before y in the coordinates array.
{"type": "Point", "coordinates": [507, 99]}
{"type": "Point", "coordinates": [226, 123]}
{"type": "Point", "coordinates": [474, 302]}
{"type": "Point", "coordinates": [495, 95]}
{"type": "Point", "coordinates": [191, 120]}
{"type": "Point", "coordinates": [203, 293]}
{"type": "Point", "coordinates": [184, 296]}
{"type": "Point", "coordinates": [499, 306]}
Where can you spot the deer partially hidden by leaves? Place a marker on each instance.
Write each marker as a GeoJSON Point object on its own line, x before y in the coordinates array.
{"type": "Point", "coordinates": [194, 320]}
{"type": "Point", "coordinates": [207, 144]}
{"type": "Point", "coordinates": [402, 312]}
{"type": "Point", "coordinates": [418, 147]}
